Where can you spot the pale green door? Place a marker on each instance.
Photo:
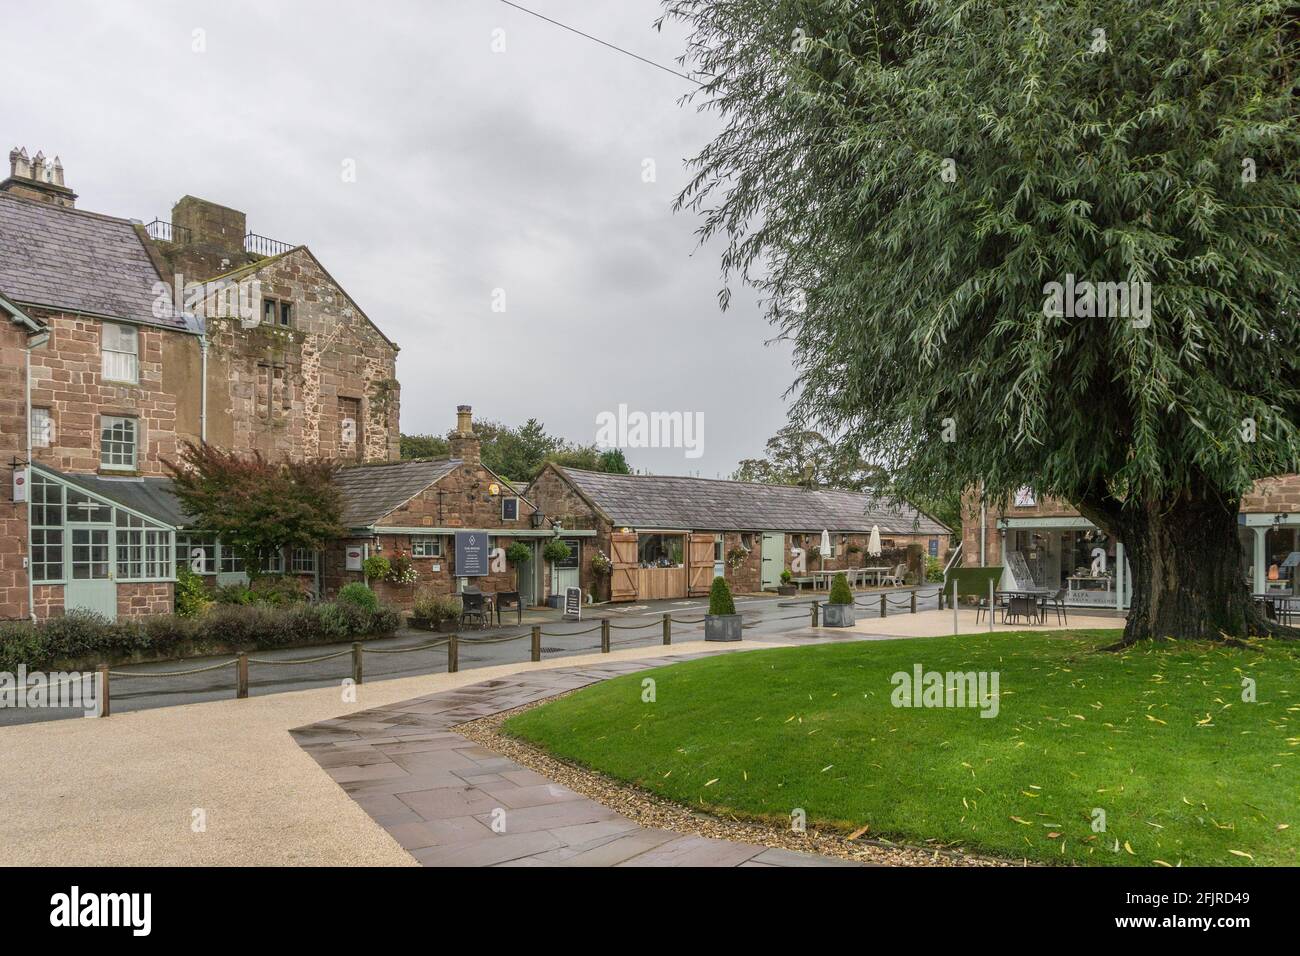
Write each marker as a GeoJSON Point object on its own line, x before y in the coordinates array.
{"type": "Point", "coordinates": [90, 584]}
{"type": "Point", "coordinates": [773, 559]}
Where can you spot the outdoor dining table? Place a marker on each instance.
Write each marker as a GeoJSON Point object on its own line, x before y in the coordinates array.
{"type": "Point", "coordinates": [1023, 601]}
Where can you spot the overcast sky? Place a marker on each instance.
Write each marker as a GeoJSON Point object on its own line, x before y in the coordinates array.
{"type": "Point", "coordinates": [475, 171]}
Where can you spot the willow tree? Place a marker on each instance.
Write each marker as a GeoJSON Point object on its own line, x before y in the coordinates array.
{"type": "Point", "coordinates": [906, 181]}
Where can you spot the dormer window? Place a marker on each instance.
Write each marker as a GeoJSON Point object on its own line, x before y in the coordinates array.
{"type": "Point", "coordinates": [120, 345]}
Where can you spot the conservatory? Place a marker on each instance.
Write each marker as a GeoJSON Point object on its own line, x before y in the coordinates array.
{"type": "Point", "coordinates": [98, 545]}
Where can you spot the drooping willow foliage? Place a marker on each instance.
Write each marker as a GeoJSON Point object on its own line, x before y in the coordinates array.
{"type": "Point", "coordinates": [904, 180]}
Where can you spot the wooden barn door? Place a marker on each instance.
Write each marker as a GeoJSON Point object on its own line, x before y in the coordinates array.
{"type": "Point", "coordinates": [700, 564]}
{"type": "Point", "coordinates": [622, 554]}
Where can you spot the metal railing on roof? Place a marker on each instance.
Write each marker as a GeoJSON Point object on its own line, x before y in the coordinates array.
{"type": "Point", "coordinates": [262, 246]}
{"type": "Point", "coordinates": [167, 232]}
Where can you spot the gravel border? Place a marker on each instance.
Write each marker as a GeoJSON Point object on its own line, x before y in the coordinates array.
{"type": "Point", "coordinates": [654, 812]}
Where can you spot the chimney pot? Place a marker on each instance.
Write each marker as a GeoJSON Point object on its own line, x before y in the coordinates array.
{"type": "Point", "coordinates": [37, 178]}
{"type": "Point", "coordinates": [464, 443]}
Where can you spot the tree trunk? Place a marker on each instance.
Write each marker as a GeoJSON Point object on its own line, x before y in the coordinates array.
{"type": "Point", "coordinates": [1186, 565]}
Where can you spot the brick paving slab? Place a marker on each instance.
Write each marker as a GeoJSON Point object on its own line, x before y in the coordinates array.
{"type": "Point", "coordinates": [439, 795]}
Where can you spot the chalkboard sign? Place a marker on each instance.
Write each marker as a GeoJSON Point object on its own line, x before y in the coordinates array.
{"type": "Point", "coordinates": [573, 603]}
{"type": "Point", "coordinates": [471, 554]}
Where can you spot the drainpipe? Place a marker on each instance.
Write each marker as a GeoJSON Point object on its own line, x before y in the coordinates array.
{"type": "Point", "coordinates": [34, 341]}
{"type": "Point", "coordinates": [203, 388]}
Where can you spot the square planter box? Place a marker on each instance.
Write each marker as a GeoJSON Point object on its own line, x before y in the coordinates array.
{"type": "Point", "coordinates": [555, 600]}
{"type": "Point", "coordinates": [722, 627]}
{"type": "Point", "coordinates": [837, 615]}
{"type": "Point", "coordinates": [787, 590]}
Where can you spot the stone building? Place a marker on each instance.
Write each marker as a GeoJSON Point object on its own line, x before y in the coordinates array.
{"type": "Point", "coordinates": [669, 536]}
{"type": "Point", "coordinates": [108, 369]}
{"type": "Point", "coordinates": [1048, 540]}
{"type": "Point", "coordinates": [416, 510]}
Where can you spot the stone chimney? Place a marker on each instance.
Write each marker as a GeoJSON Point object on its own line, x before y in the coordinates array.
{"type": "Point", "coordinates": [207, 239]}
{"type": "Point", "coordinates": [37, 178]}
{"type": "Point", "coordinates": [464, 443]}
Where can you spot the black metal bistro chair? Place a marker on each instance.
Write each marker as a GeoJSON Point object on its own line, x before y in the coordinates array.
{"type": "Point", "coordinates": [1000, 604]}
{"type": "Point", "coordinates": [1055, 602]}
{"type": "Point", "coordinates": [509, 600]}
{"type": "Point", "coordinates": [472, 608]}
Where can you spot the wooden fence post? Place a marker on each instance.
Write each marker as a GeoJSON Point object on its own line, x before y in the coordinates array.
{"type": "Point", "coordinates": [537, 642]}
{"type": "Point", "coordinates": [814, 614]}
{"type": "Point", "coordinates": [241, 675]}
{"type": "Point", "coordinates": [604, 635]}
{"type": "Point", "coordinates": [453, 655]}
{"type": "Point", "coordinates": [913, 602]}
{"type": "Point", "coordinates": [668, 628]}
{"type": "Point", "coordinates": [356, 662]}
{"type": "Point", "coordinates": [103, 690]}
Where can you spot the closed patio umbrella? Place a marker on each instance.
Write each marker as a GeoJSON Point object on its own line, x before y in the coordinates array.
{"type": "Point", "coordinates": [873, 543]}
{"type": "Point", "coordinates": [826, 545]}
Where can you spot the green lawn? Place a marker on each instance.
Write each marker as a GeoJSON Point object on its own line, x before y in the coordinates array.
{"type": "Point", "coordinates": [1157, 737]}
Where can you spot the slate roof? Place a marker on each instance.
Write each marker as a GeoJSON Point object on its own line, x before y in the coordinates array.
{"type": "Point", "coordinates": [77, 261]}
{"type": "Point", "coordinates": [706, 504]}
{"type": "Point", "coordinates": [372, 491]}
{"type": "Point", "coordinates": [150, 496]}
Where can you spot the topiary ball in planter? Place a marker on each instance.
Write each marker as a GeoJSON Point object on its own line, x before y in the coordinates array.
{"type": "Point", "coordinates": [838, 610]}
{"type": "Point", "coordinates": [722, 623]}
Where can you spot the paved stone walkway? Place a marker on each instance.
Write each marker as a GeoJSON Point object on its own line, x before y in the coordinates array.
{"type": "Point", "coordinates": [438, 793]}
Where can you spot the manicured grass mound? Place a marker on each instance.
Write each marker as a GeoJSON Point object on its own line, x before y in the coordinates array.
{"type": "Point", "coordinates": [1157, 737]}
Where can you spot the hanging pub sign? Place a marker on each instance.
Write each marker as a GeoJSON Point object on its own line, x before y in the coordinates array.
{"type": "Point", "coordinates": [573, 603]}
{"type": "Point", "coordinates": [471, 554]}
{"type": "Point", "coordinates": [20, 485]}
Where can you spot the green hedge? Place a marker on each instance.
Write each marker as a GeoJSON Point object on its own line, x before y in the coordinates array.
{"type": "Point", "coordinates": [82, 637]}
{"type": "Point", "coordinates": [973, 581]}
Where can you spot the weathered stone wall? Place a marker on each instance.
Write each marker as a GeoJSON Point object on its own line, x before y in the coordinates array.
{"type": "Point", "coordinates": [67, 379]}
{"type": "Point", "coordinates": [286, 391]}
{"type": "Point", "coordinates": [135, 599]}
{"type": "Point", "coordinates": [13, 447]}
{"type": "Point", "coordinates": [1273, 496]}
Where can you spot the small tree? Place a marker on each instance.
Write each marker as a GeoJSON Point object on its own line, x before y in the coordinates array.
{"type": "Point", "coordinates": [840, 592]}
{"type": "Point", "coordinates": [720, 602]}
{"type": "Point", "coordinates": [257, 507]}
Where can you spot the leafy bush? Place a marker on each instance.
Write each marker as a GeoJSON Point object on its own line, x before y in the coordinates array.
{"type": "Point", "coordinates": [555, 550]}
{"type": "Point", "coordinates": [933, 569]}
{"type": "Point", "coordinates": [376, 567]}
{"type": "Point", "coordinates": [518, 552]}
{"type": "Point", "coordinates": [358, 595]}
{"type": "Point", "coordinates": [192, 597]}
{"type": "Point", "coordinates": [240, 594]}
{"type": "Point", "coordinates": [786, 576]}
{"type": "Point", "coordinates": [435, 608]}
{"type": "Point", "coordinates": [720, 601]}
{"type": "Point", "coordinates": [80, 635]}
{"type": "Point", "coordinates": [840, 592]}
{"type": "Point", "coordinates": [279, 590]}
